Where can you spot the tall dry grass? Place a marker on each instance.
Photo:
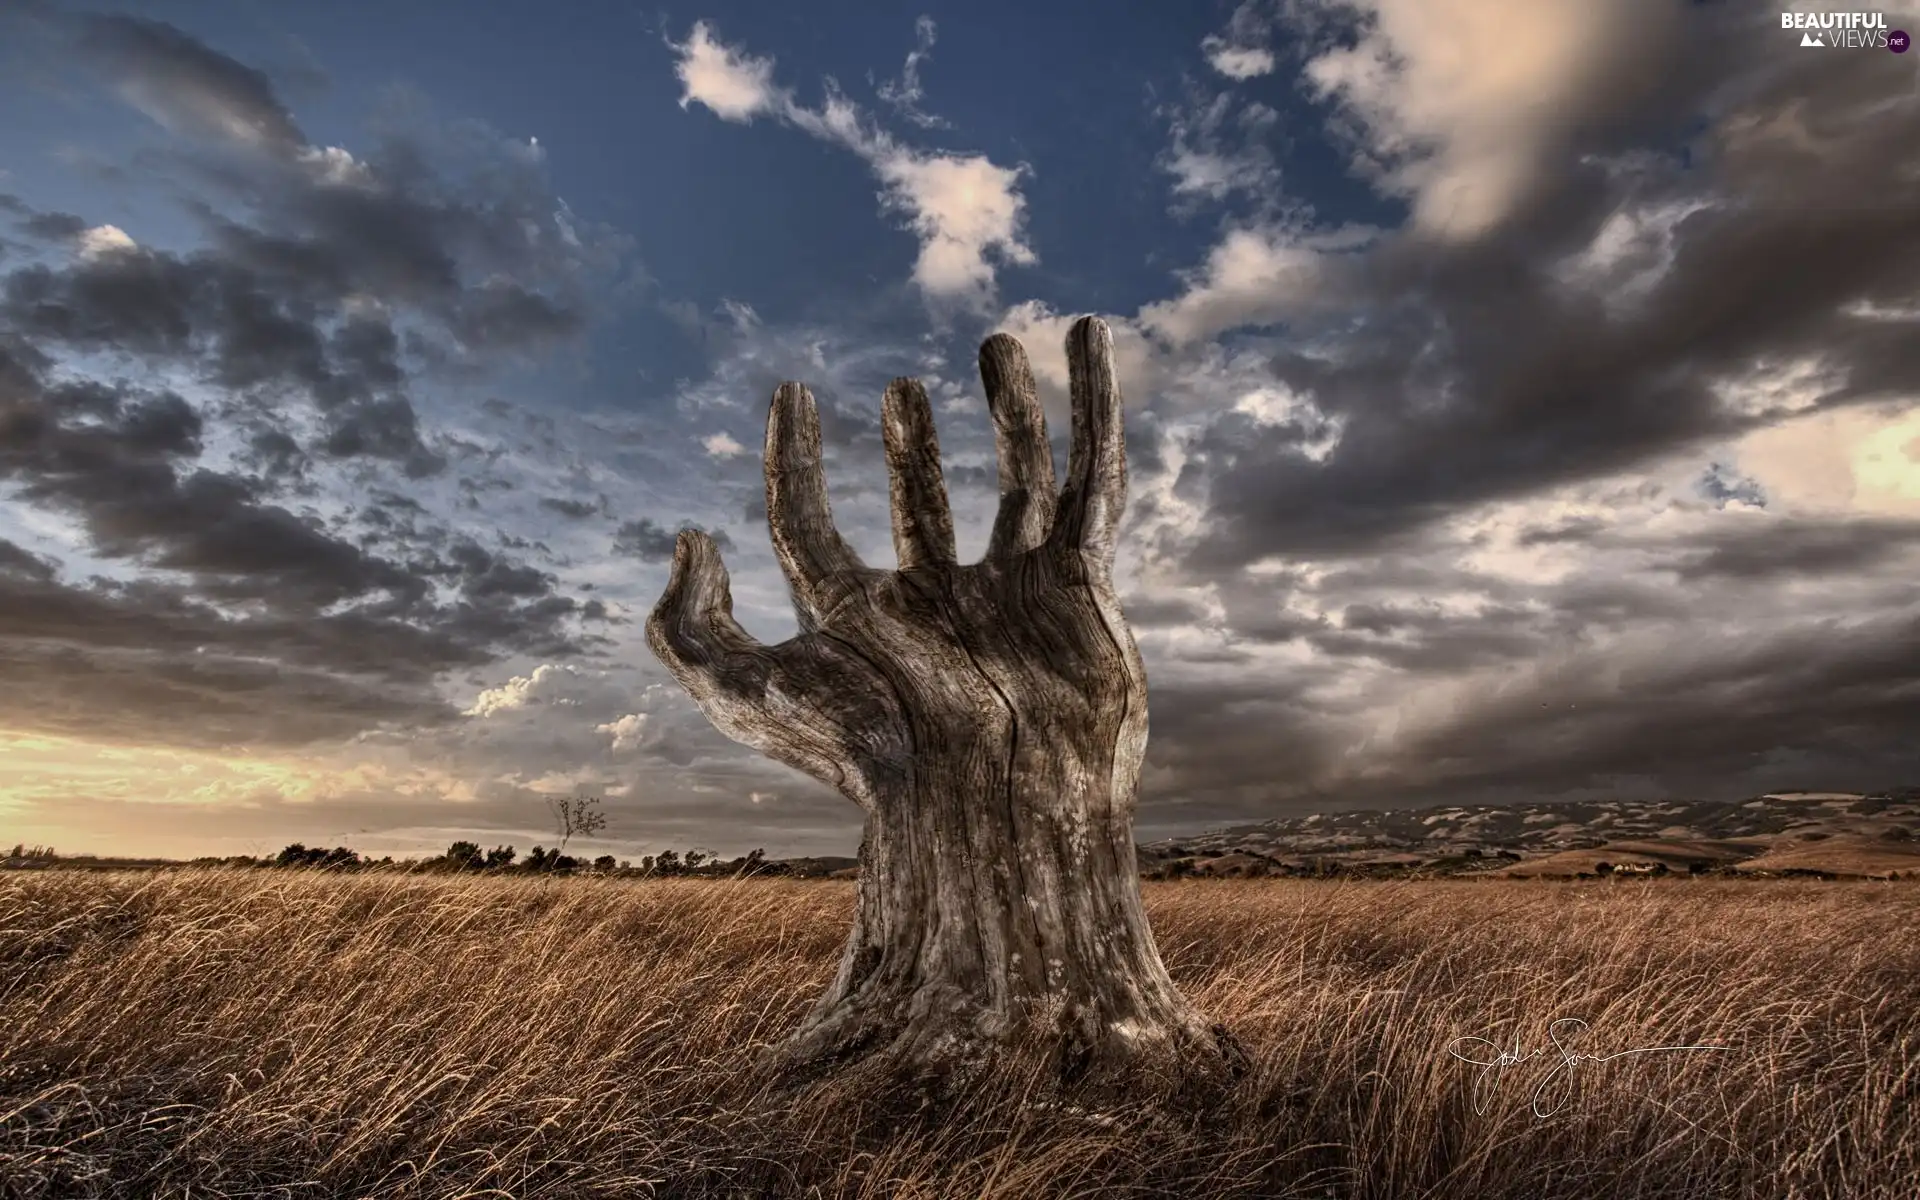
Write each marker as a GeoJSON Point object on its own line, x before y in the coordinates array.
{"type": "Point", "coordinates": [201, 1033]}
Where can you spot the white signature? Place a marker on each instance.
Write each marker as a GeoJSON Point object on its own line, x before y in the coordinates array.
{"type": "Point", "coordinates": [1494, 1062]}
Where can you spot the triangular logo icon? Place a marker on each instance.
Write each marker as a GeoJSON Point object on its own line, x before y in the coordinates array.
{"type": "Point", "coordinates": [1812, 39]}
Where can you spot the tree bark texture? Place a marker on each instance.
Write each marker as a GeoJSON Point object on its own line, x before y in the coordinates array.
{"type": "Point", "coordinates": [989, 718]}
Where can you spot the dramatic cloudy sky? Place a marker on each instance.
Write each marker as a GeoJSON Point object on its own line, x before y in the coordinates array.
{"type": "Point", "coordinates": [1522, 397]}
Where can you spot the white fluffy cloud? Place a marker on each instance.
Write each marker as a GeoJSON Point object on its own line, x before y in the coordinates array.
{"type": "Point", "coordinates": [1216, 152]}
{"type": "Point", "coordinates": [963, 209]}
{"type": "Point", "coordinates": [905, 93]}
{"type": "Point", "coordinates": [103, 239]}
{"type": "Point", "coordinates": [1849, 462]}
{"type": "Point", "coordinates": [335, 167]}
{"type": "Point", "coordinates": [723, 445]}
{"type": "Point", "coordinates": [967, 211]}
{"type": "Point", "coordinates": [1256, 275]}
{"type": "Point", "coordinates": [736, 86]}
{"type": "Point", "coordinates": [1241, 52]}
{"type": "Point", "coordinates": [625, 732]}
{"type": "Point", "coordinates": [1460, 104]}
{"type": "Point", "coordinates": [522, 691]}
{"type": "Point", "coordinates": [1238, 62]}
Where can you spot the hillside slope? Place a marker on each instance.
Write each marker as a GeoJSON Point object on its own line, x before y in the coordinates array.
{"type": "Point", "coordinates": [1841, 834]}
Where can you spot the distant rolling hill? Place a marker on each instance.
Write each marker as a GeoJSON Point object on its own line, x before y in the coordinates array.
{"type": "Point", "coordinates": [1836, 834]}
{"type": "Point", "coordinates": [1841, 835]}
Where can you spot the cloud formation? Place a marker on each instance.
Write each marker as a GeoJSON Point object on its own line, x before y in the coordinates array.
{"type": "Point", "coordinates": [967, 212]}
{"type": "Point", "coordinates": [1519, 422]}
{"type": "Point", "coordinates": [905, 93]}
{"type": "Point", "coordinates": [236, 598]}
{"type": "Point", "coordinates": [186, 85]}
{"type": "Point", "coordinates": [1585, 477]}
{"type": "Point", "coordinates": [1468, 106]}
{"type": "Point", "coordinates": [1240, 52]}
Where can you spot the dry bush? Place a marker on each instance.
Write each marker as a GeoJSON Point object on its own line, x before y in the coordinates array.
{"type": "Point", "coordinates": [213, 1033]}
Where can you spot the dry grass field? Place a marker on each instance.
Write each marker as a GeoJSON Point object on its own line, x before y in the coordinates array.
{"type": "Point", "coordinates": [206, 1033]}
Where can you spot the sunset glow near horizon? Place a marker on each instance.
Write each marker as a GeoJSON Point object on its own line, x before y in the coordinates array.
{"type": "Point", "coordinates": [1521, 399]}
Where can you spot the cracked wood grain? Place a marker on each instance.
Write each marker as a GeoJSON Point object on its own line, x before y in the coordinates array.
{"type": "Point", "coordinates": [991, 720]}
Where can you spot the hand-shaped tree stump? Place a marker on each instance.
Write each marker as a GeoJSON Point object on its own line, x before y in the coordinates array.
{"type": "Point", "coordinates": [990, 719]}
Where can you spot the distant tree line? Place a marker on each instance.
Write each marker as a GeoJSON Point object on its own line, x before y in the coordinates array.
{"type": "Point", "coordinates": [465, 856]}
{"type": "Point", "coordinates": [460, 857]}
{"type": "Point", "coordinates": [573, 816]}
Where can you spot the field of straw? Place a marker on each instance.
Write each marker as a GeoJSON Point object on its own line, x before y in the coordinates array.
{"type": "Point", "coordinates": [210, 1033]}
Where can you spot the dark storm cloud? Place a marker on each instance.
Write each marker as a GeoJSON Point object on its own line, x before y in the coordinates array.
{"type": "Point", "coordinates": [1599, 604]}
{"type": "Point", "coordinates": [1436, 645]}
{"type": "Point", "coordinates": [852, 424]}
{"type": "Point", "coordinates": [237, 328]}
{"type": "Point", "coordinates": [1833, 702]}
{"type": "Point", "coordinates": [484, 575]}
{"type": "Point", "coordinates": [281, 576]}
{"type": "Point", "coordinates": [1715, 716]}
{"type": "Point", "coordinates": [573, 508]}
{"type": "Point", "coordinates": [53, 226]}
{"type": "Point", "coordinates": [645, 539]}
{"type": "Point", "coordinates": [970, 475]}
{"type": "Point", "coordinates": [290, 315]}
{"type": "Point", "coordinates": [1152, 613]}
{"type": "Point", "coordinates": [143, 661]}
{"type": "Point", "coordinates": [649, 541]}
{"type": "Point", "coordinates": [1274, 625]}
{"type": "Point", "coordinates": [139, 661]}
{"type": "Point", "coordinates": [506, 314]}
{"type": "Point", "coordinates": [275, 454]}
{"type": "Point", "coordinates": [1692, 639]}
{"type": "Point", "coordinates": [446, 223]}
{"type": "Point", "coordinates": [336, 617]}
{"type": "Point", "coordinates": [1808, 549]}
{"type": "Point", "coordinates": [1478, 373]}
{"type": "Point", "coordinates": [386, 428]}
{"type": "Point", "coordinates": [453, 221]}
{"type": "Point", "coordinates": [116, 461]}
{"type": "Point", "coordinates": [185, 84]}
{"type": "Point", "coordinates": [1408, 637]}
{"type": "Point", "coordinates": [195, 700]}
{"type": "Point", "coordinates": [1206, 732]}
{"type": "Point", "coordinates": [1676, 662]}
{"type": "Point", "coordinates": [1578, 529]}
{"type": "Point", "coordinates": [23, 564]}
{"type": "Point", "coordinates": [141, 303]}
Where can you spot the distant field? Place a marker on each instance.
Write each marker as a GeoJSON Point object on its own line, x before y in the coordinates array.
{"type": "Point", "coordinates": [212, 1033]}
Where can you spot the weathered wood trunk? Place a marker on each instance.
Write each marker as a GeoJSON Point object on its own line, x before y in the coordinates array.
{"type": "Point", "coordinates": [991, 721]}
